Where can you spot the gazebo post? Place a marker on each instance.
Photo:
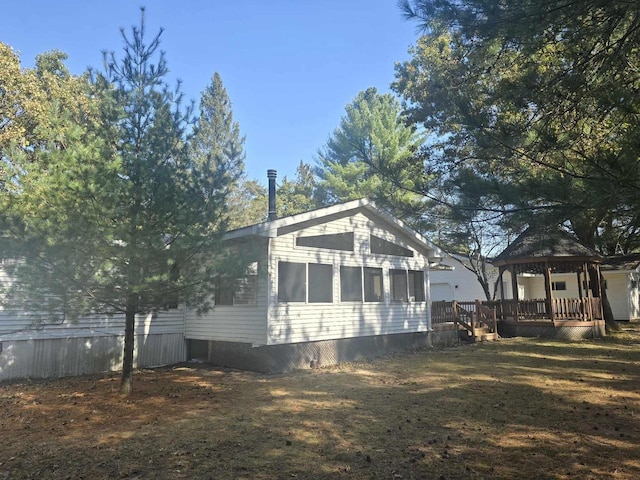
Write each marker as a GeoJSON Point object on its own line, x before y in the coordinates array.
{"type": "Point", "coordinates": [588, 280]}
{"type": "Point", "coordinates": [514, 287]}
{"type": "Point", "coordinates": [500, 274]}
{"type": "Point", "coordinates": [580, 295]}
{"type": "Point", "coordinates": [547, 290]}
{"type": "Point", "coordinates": [598, 281]}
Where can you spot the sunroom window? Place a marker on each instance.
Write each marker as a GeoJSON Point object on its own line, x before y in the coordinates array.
{"type": "Point", "coordinates": [416, 286]}
{"type": "Point", "coordinates": [320, 283]}
{"type": "Point", "coordinates": [291, 282]}
{"type": "Point", "coordinates": [398, 279]}
{"type": "Point", "coordinates": [293, 279]}
{"type": "Point", "coordinates": [373, 287]}
{"type": "Point", "coordinates": [350, 284]}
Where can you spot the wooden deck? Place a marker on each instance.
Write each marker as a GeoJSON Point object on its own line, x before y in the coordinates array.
{"type": "Point", "coordinates": [569, 318]}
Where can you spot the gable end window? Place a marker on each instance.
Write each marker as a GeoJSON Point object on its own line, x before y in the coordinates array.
{"type": "Point", "coordinates": [337, 241]}
{"type": "Point", "coordinates": [385, 247]}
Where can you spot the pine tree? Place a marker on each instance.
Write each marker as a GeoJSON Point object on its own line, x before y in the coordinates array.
{"type": "Point", "coordinates": [217, 143]}
{"type": "Point", "coordinates": [370, 155]}
{"type": "Point", "coordinates": [298, 195]}
{"type": "Point", "coordinates": [115, 216]}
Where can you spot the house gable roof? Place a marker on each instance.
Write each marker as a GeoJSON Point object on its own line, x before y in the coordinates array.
{"type": "Point", "coordinates": [319, 216]}
{"type": "Point", "coordinates": [622, 262]}
{"type": "Point", "coordinates": [545, 243]}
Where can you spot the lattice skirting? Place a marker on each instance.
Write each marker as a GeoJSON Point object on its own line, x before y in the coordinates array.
{"type": "Point", "coordinates": [567, 330]}
{"type": "Point", "coordinates": [283, 358]}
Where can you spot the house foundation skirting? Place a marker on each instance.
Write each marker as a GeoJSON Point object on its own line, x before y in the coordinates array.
{"type": "Point", "coordinates": [562, 329]}
{"type": "Point", "coordinates": [284, 358]}
{"type": "Point", "coordinates": [70, 356]}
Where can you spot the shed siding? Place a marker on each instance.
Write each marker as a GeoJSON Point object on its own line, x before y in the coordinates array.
{"type": "Point", "coordinates": [303, 322]}
{"type": "Point", "coordinates": [618, 294]}
{"type": "Point", "coordinates": [634, 296]}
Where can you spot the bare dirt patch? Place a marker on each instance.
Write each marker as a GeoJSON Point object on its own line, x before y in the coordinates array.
{"type": "Point", "coordinates": [527, 409]}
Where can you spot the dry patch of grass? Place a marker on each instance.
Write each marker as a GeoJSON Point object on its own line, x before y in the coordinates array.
{"type": "Point", "coordinates": [521, 408]}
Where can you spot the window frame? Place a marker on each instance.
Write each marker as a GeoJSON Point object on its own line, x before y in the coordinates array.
{"type": "Point", "coordinates": [359, 292]}
{"type": "Point", "coordinates": [559, 286]}
{"type": "Point", "coordinates": [309, 284]}
{"type": "Point", "coordinates": [284, 264]}
{"type": "Point", "coordinates": [395, 273]}
{"type": "Point", "coordinates": [369, 277]}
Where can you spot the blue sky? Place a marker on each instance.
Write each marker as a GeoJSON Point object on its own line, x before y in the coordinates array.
{"type": "Point", "coordinates": [289, 66]}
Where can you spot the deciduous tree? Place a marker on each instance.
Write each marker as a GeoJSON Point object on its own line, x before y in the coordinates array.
{"type": "Point", "coordinates": [539, 99]}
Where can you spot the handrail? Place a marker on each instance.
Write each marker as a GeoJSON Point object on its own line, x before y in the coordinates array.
{"type": "Point", "coordinates": [562, 308]}
{"type": "Point", "coordinates": [466, 314]}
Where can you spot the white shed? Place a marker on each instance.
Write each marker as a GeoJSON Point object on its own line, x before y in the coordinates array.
{"type": "Point", "coordinates": [622, 276]}
{"type": "Point", "coordinates": [329, 285]}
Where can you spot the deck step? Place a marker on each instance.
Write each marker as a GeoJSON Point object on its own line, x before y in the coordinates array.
{"type": "Point", "coordinates": [482, 334]}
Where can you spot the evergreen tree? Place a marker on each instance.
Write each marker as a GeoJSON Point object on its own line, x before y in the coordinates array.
{"type": "Point", "coordinates": [216, 143]}
{"type": "Point", "coordinates": [369, 155]}
{"type": "Point", "coordinates": [297, 196]}
{"type": "Point", "coordinates": [116, 216]}
{"type": "Point", "coordinates": [538, 102]}
{"type": "Point", "coordinates": [247, 204]}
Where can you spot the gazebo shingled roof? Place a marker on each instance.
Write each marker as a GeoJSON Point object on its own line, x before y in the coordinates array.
{"type": "Point", "coordinates": [548, 243]}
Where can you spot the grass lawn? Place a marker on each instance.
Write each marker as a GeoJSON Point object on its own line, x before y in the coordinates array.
{"type": "Point", "coordinates": [512, 409]}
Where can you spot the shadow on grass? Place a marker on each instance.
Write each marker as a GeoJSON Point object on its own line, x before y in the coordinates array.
{"type": "Point", "coordinates": [514, 409]}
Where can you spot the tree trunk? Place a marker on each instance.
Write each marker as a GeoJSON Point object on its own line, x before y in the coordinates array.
{"type": "Point", "coordinates": [126, 383]}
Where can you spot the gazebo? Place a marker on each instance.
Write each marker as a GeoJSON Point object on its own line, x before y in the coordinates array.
{"type": "Point", "coordinates": [546, 251]}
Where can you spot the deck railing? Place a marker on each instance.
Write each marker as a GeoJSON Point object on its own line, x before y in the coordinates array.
{"type": "Point", "coordinates": [562, 308]}
{"type": "Point", "coordinates": [528, 309]}
{"type": "Point", "coordinates": [467, 314]}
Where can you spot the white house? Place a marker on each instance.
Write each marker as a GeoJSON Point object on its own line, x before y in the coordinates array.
{"type": "Point", "coordinates": [329, 285]}
{"type": "Point", "coordinates": [452, 280]}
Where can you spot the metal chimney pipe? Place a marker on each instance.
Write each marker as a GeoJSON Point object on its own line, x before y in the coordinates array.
{"type": "Point", "coordinates": [271, 175]}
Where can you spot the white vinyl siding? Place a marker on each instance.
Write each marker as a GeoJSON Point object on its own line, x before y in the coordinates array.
{"type": "Point", "coordinates": [92, 343]}
{"type": "Point", "coordinates": [236, 323]}
{"type": "Point", "coordinates": [304, 322]}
